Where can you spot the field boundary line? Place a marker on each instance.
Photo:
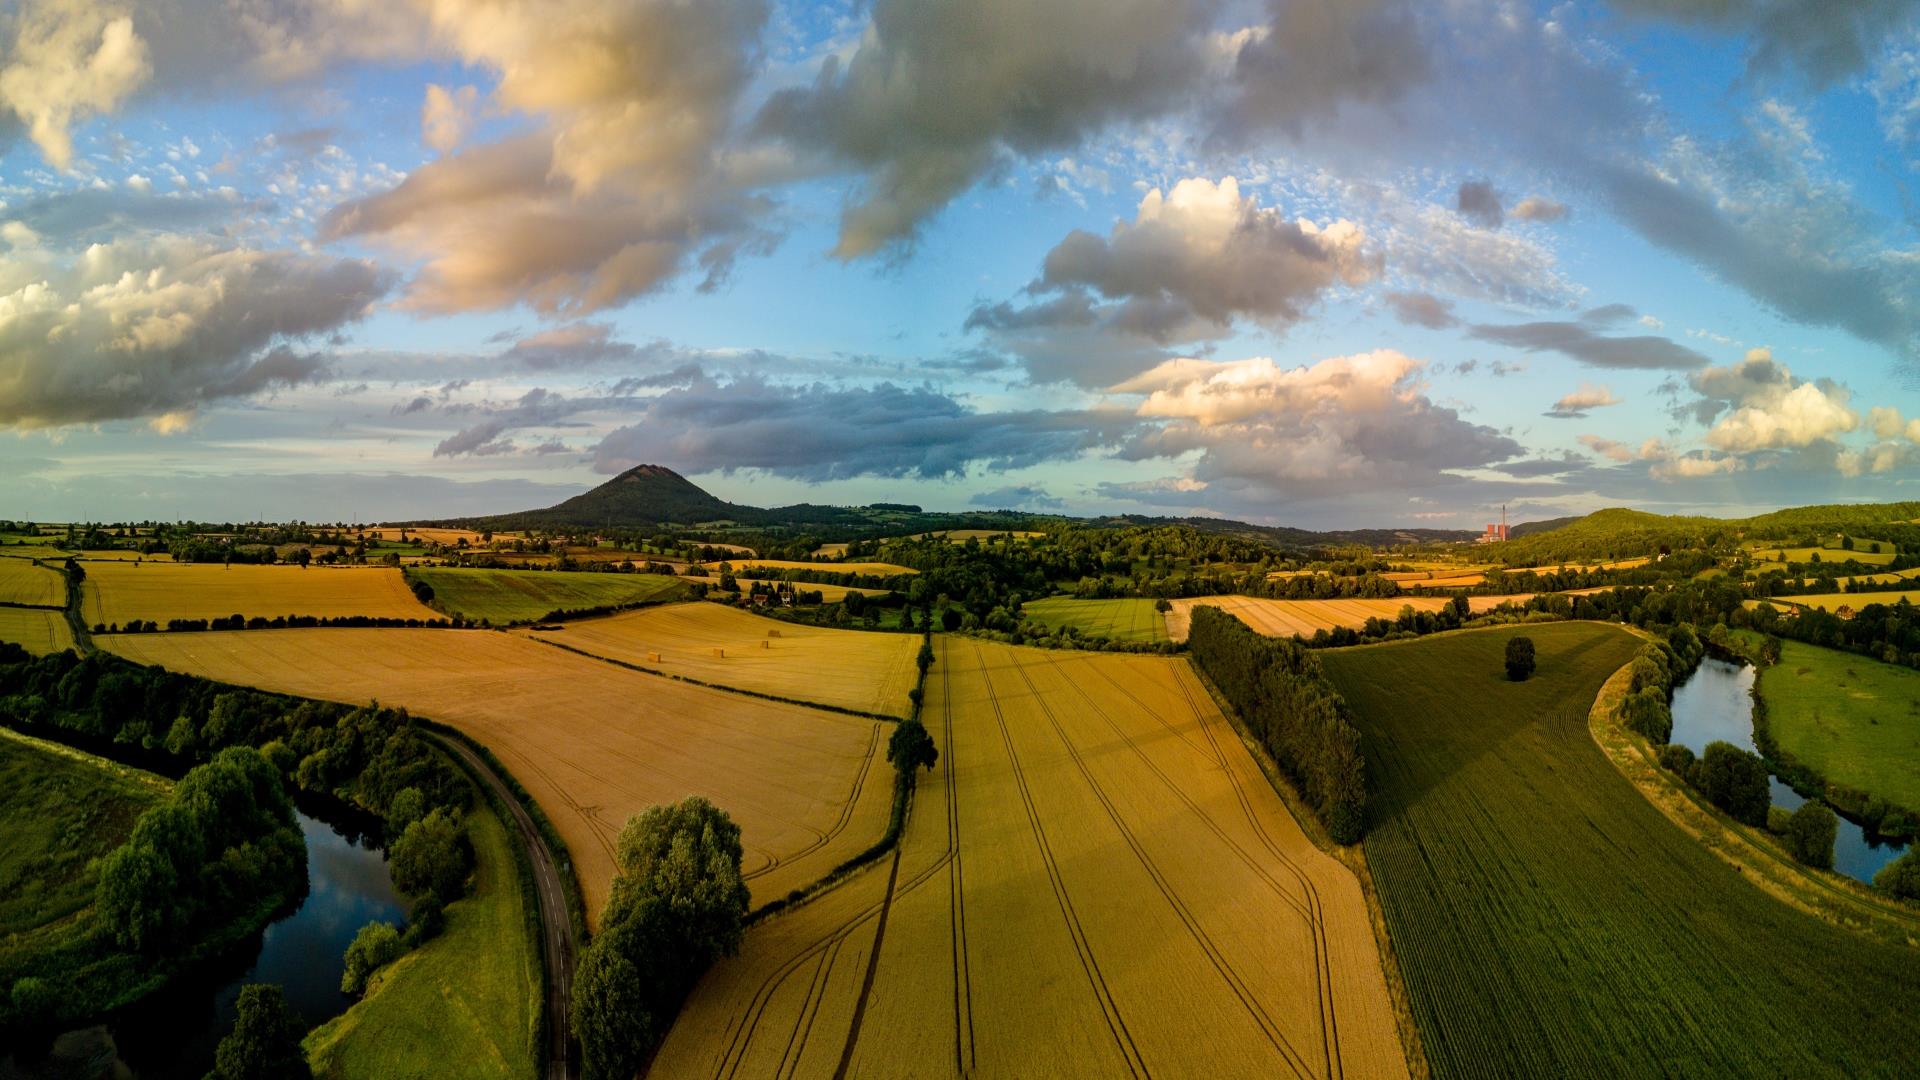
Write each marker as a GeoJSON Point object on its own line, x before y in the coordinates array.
{"type": "Point", "coordinates": [1832, 898]}
{"type": "Point", "coordinates": [841, 709]}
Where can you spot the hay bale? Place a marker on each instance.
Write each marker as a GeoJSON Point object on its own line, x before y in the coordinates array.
{"type": "Point", "coordinates": [722, 653]}
{"type": "Point", "coordinates": [653, 657]}
{"type": "Point", "coordinates": [765, 644]}
{"type": "Point", "coordinates": [773, 633]}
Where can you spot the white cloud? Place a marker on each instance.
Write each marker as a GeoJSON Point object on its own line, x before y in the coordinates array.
{"type": "Point", "coordinates": [69, 59]}
{"type": "Point", "coordinates": [1768, 409]}
{"type": "Point", "coordinates": [447, 116]}
{"type": "Point", "coordinates": [1587, 398]}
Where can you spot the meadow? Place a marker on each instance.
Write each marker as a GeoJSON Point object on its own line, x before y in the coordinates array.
{"type": "Point", "coordinates": [1132, 620]}
{"type": "Point", "coordinates": [460, 1005]}
{"type": "Point", "coordinates": [23, 581]}
{"type": "Point", "coordinates": [38, 630]}
{"type": "Point", "coordinates": [1550, 921]}
{"type": "Point", "coordinates": [1854, 721]}
{"type": "Point", "coordinates": [504, 597]}
{"type": "Point", "coordinates": [725, 646]}
{"type": "Point", "coordinates": [1095, 879]}
{"type": "Point", "coordinates": [116, 593]}
{"type": "Point", "coordinates": [60, 810]}
{"type": "Point", "coordinates": [591, 741]}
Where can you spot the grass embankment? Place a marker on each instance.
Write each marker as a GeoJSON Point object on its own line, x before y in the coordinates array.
{"type": "Point", "coordinates": [60, 810]}
{"type": "Point", "coordinates": [1854, 721]}
{"type": "Point", "coordinates": [1552, 922]}
{"type": "Point", "coordinates": [502, 597]}
{"type": "Point", "coordinates": [1130, 620]}
{"type": "Point", "coordinates": [461, 1005]}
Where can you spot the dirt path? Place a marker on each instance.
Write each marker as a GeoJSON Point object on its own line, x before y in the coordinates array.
{"type": "Point", "coordinates": [556, 927]}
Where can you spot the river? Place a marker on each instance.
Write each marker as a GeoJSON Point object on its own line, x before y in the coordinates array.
{"type": "Point", "coordinates": [1716, 704]}
{"type": "Point", "coordinates": [172, 1034]}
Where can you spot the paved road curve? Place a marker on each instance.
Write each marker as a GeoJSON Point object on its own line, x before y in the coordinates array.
{"type": "Point", "coordinates": [556, 927]}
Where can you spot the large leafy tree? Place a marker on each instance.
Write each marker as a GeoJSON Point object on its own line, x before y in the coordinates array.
{"type": "Point", "coordinates": [265, 1041]}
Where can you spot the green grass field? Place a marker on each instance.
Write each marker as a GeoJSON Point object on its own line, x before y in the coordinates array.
{"type": "Point", "coordinates": [462, 1005]}
{"type": "Point", "coordinates": [1853, 720]}
{"type": "Point", "coordinates": [59, 810]}
{"type": "Point", "coordinates": [1549, 921]}
{"type": "Point", "coordinates": [1862, 553]}
{"type": "Point", "coordinates": [1118, 620]}
{"type": "Point", "coordinates": [513, 596]}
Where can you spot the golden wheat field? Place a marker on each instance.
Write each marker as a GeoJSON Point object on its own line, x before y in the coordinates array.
{"type": "Point", "coordinates": [119, 592]}
{"type": "Point", "coordinates": [877, 569]}
{"type": "Point", "coordinates": [848, 669]}
{"type": "Point", "coordinates": [593, 742]}
{"type": "Point", "coordinates": [24, 582]}
{"type": "Point", "coordinates": [1285, 618]}
{"type": "Point", "coordinates": [1095, 880]}
{"type": "Point", "coordinates": [39, 630]}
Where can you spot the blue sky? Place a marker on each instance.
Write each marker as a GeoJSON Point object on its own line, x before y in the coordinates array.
{"type": "Point", "coordinates": [1314, 262]}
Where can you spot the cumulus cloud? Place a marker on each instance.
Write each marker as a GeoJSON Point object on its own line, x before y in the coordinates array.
{"type": "Point", "coordinates": [1312, 58]}
{"type": "Point", "coordinates": [1766, 408]}
{"type": "Point", "coordinates": [614, 193]}
{"type": "Point", "coordinates": [1694, 466]}
{"type": "Point", "coordinates": [936, 94]}
{"type": "Point", "coordinates": [1584, 341]}
{"type": "Point", "coordinates": [821, 432]}
{"type": "Point", "coordinates": [1576, 405]}
{"type": "Point", "coordinates": [1539, 208]}
{"type": "Point", "coordinates": [447, 116]}
{"type": "Point", "coordinates": [1479, 203]}
{"type": "Point", "coordinates": [144, 327]}
{"type": "Point", "coordinates": [68, 59]}
{"type": "Point", "coordinates": [1291, 432]}
{"type": "Point", "coordinates": [1193, 260]}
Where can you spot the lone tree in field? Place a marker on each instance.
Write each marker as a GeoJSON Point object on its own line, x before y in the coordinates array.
{"type": "Point", "coordinates": [911, 747]}
{"type": "Point", "coordinates": [265, 1041]}
{"type": "Point", "coordinates": [1519, 658]}
{"type": "Point", "coordinates": [677, 906]}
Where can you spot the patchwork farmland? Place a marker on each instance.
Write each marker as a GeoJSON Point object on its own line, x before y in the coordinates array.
{"type": "Point", "coordinates": [1286, 618]}
{"type": "Point", "coordinates": [847, 669]}
{"type": "Point", "coordinates": [593, 742]}
{"type": "Point", "coordinates": [116, 593]}
{"type": "Point", "coordinates": [38, 630]}
{"type": "Point", "coordinates": [1095, 876]}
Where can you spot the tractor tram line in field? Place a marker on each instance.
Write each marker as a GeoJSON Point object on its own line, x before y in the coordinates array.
{"type": "Point", "coordinates": [1210, 948]}
{"type": "Point", "coordinates": [1111, 1009]}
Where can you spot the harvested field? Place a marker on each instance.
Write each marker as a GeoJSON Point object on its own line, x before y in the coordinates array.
{"type": "Point", "coordinates": [830, 594]}
{"type": "Point", "coordinates": [1851, 601]}
{"type": "Point", "coordinates": [1552, 922]}
{"type": "Point", "coordinates": [39, 630]}
{"type": "Point", "coordinates": [117, 593]}
{"type": "Point", "coordinates": [874, 569]}
{"type": "Point", "coordinates": [592, 742]}
{"type": "Point", "coordinates": [725, 646]}
{"type": "Point", "coordinates": [450, 537]}
{"type": "Point", "coordinates": [1120, 620]}
{"type": "Point", "coordinates": [1095, 879]}
{"type": "Point", "coordinates": [24, 582]}
{"type": "Point", "coordinates": [509, 596]}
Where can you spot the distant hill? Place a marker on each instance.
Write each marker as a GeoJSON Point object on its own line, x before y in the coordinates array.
{"type": "Point", "coordinates": [1529, 528]}
{"type": "Point", "coordinates": [643, 495]}
{"type": "Point", "coordinates": [1621, 533]}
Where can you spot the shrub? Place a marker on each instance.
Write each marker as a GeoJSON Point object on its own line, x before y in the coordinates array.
{"type": "Point", "coordinates": [910, 748]}
{"type": "Point", "coordinates": [1677, 758]}
{"type": "Point", "coordinates": [1520, 661]}
{"type": "Point", "coordinates": [264, 1042]}
{"type": "Point", "coordinates": [1901, 877]}
{"type": "Point", "coordinates": [425, 922]}
{"type": "Point", "coordinates": [1646, 712]}
{"type": "Point", "coordinates": [1810, 833]}
{"type": "Point", "coordinates": [1778, 817]}
{"type": "Point", "coordinates": [375, 946]}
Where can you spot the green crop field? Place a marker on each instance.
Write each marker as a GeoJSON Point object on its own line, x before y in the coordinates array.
{"type": "Point", "coordinates": [1549, 921]}
{"type": "Point", "coordinates": [515, 596]}
{"type": "Point", "coordinates": [1119, 620]}
{"type": "Point", "coordinates": [461, 1005]}
{"type": "Point", "coordinates": [59, 810]}
{"type": "Point", "coordinates": [1853, 720]}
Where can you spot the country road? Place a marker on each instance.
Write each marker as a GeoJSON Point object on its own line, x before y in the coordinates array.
{"type": "Point", "coordinates": [556, 926]}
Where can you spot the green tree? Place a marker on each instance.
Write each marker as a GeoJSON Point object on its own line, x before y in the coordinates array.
{"type": "Point", "coordinates": [910, 747]}
{"type": "Point", "coordinates": [1519, 658]}
{"type": "Point", "coordinates": [611, 1013]}
{"type": "Point", "coordinates": [1810, 833]}
{"type": "Point", "coordinates": [265, 1041]}
{"type": "Point", "coordinates": [1901, 877]}
{"type": "Point", "coordinates": [432, 856]}
{"type": "Point", "coordinates": [375, 946]}
{"type": "Point", "coordinates": [950, 619]}
{"type": "Point", "coordinates": [1736, 781]}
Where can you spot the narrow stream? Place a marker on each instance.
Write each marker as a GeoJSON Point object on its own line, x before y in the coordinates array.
{"type": "Point", "coordinates": [172, 1034]}
{"type": "Point", "coordinates": [1716, 705]}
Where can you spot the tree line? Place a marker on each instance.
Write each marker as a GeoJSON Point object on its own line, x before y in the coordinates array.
{"type": "Point", "coordinates": [1279, 690]}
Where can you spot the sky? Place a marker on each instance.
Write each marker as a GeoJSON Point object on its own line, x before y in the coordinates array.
{"type": "Point", "coordinates": [1323, 263]}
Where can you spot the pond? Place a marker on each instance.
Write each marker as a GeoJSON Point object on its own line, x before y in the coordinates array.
{"type": "Point", "coordinates": [172, 1034]}
{"type": "Point", "coordinates": [1716, 704]}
